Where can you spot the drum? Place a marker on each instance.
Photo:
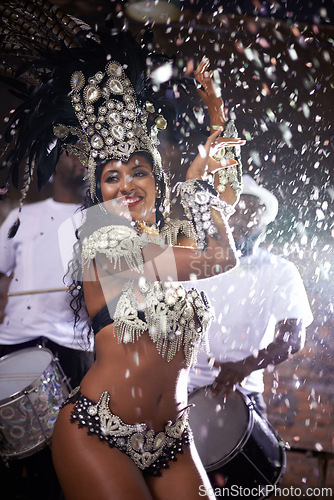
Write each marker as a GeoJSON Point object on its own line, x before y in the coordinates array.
{"type": "Point", "coordinates": [32, 388]}
{"type": "Point", "coordinates": [238, 447]}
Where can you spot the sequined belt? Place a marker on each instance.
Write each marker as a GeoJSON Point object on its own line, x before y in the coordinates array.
{"type": "Point", "coordinates": [150, 451]}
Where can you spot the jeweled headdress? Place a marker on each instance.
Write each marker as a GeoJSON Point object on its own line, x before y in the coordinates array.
{"type": "Point", "coordinates": [112, 125]}
{"type": "Point", "coordinates": [88, 89]}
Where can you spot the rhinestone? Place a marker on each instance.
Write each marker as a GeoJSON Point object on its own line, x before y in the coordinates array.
{"type": "Point", "coordinates": [109, 141]}
{"type": "Point", "coordinates": [104, 132]}
{"type": "Point", "coordinates": [97, 142]}
{"type": "Point", "coordinates": [116, 86]}
{"type": "Point", "coordinates": [99, 76]}
{"type": "Point", "coordinates": [102, 110]}
{"type": "Point", "coordinates": [118, 132]}
{"type": "Point", "coordinates": [114, 69]}
{"type": "Point", "coordinates": [91, 118]}
{"type": "Point", "coordinates": [60, 131]}
{"type": "Point", "coordinates": [149, 107]}
{"type": "Point", "coordinates": [89, 109]}
{"type": "Point", "coordinates": [113, 117]}
{"type": "Point", "coordinates": [92, 410]}
{"type": "Point", "coordinates": [161, 122]}
{"type": "Point", "coordinates": [76, 98]}
{"type": "Point", "coordinates": [81, 116]}
{"type": "Point", "coordinates": [101, 119]}
{"type": "Point", "coordinates": [77, 80]}
{"type": "Point", "coordinates": [137, 129]}
{"type": "Point", "coordinates": [78, 107]}
{"type": "Point", "coordinates": [90, 130]}
{"type": "Point", "coordinates": [98, 126]}
{"type": "Point", "coordinates": [92, 93]}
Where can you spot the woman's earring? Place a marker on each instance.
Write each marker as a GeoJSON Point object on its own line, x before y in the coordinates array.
{"type": "Point", "coordinates": [157, 192]}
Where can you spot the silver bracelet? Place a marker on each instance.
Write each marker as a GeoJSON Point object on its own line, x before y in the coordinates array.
{"type": "Point", "coordinates": [231, 175]}
{"type": "Point", "coordinates": [197, 198]}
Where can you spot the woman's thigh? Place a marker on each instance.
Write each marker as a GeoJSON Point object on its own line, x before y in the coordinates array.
{"type": "Point", "coordinates": [88, 468]}
{"type": "Point", "coordinates": [185, 479]}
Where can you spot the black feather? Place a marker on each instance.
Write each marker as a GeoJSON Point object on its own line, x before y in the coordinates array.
{"type": "Point", "coordinates": [14, 228]}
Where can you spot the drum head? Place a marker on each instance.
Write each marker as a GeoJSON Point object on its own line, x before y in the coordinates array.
{"type": "Point", "coordinates": [220, 425]}
{"type": "Point", "coordinates": [21, 369]}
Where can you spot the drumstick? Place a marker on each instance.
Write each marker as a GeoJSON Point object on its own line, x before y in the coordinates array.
{"type": "Point", "coordinates": [33, 292]}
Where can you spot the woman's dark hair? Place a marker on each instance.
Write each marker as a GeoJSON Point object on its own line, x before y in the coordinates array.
{"type": "Point", "coordinates": [95, 219]}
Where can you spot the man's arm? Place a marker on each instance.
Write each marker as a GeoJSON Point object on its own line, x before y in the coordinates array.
{"type": "Point", "coordinates": [289, 339]}
{"type": "Point", "coordinates": [4, 284]}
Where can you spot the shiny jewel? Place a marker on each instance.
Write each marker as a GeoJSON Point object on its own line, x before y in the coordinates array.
{"type": "Point", "coordinates": [91, 93]}
{"type": "Point", "coordinates": [202, 197]}
{"type": "Point", "coordinates": [170, 297]}
{"type": "Point", "coordinates": [99, 76]}
{"type": "Point", "coordinates": [149, 107]}
{"type": "Point", "coordinates": [113, 117]}
{"type": "Point", "coordinates": [219, 155]}
{"type": "Point", "coordinates": [116, 86]}
{"type": "Point", "coordinates": [118, 132]}
{"type": "Point", "coordinates": [137, 441]}
{"type": "Point", "coordinates": [97, 142]}
{"type": "Point", "coordinates": [114, 69]}
{"type": "Point", "coordinates": [159, 440]}
{"type": "Point", "coordinates": [161, 122]}
{"type": "Point", "coordinates": [92, 410]}
{"type": "Point", "coordinates": [77, 80]}
{"type": "Point", "coordinates": [60, 131]}
{"type": "Point", "coordinates": [137, 129]}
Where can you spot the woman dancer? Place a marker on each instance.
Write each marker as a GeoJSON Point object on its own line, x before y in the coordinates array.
{"type": "Point", "coordinates": [124, 432]}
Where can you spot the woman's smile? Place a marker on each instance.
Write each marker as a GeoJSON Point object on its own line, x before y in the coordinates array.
{"type": "Point", "coordinates": [131, 185]}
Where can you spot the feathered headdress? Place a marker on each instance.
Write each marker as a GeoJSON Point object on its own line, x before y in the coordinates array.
{"type": "Point", "coordinates": [85, 90]}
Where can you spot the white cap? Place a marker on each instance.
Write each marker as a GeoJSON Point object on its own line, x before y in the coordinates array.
{"type": "Point", "coordinates": [251, 187]}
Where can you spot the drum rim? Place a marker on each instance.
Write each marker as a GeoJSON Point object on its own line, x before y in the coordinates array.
{"type": "Point", "coordinates": [245, 437]}
{"type": "Point", "coordinates": [28, 452]}
{"type": "Point", "coordinates": [34, 383]}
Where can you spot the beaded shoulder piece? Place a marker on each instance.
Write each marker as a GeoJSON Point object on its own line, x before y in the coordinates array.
{"type": "Point", "coordinates": [116, 243]}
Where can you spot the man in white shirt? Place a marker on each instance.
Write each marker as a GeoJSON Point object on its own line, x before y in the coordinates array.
{"type": "Point", "coordinates": [38, 311]}
{"type": "Point", "coordinates": [261, 307]}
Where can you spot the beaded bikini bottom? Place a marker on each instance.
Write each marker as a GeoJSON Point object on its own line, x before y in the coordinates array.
{"type": "Point", "coordinates": [151, 451]}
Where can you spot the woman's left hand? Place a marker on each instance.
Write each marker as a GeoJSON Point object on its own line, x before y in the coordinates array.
{"type": "Point", "coordinates": [205, 163]}
{"type": "Point", "coordinates": [209, 95]}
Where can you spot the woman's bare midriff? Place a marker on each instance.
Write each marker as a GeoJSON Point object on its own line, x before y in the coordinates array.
{"type": "Point", "coordinates": [143, 386]}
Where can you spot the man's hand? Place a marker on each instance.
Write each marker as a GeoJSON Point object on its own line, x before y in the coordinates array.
{"type": "Point", "coordinates": [231, 373]}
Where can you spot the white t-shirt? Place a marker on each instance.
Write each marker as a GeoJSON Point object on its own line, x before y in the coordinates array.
{"type": "Point", "coordinates": [248, 301]}
{"type": "Point", "coordinates": [34, 256]}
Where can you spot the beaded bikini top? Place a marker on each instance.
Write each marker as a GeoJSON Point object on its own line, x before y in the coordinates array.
{"type": "Point", "coordinates": [174, 317]}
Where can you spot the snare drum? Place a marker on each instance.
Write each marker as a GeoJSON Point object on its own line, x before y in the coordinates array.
{"type": "Point", "coordinates": [236, 445]}
{"type": "Point", "coordinates": [32, 388]}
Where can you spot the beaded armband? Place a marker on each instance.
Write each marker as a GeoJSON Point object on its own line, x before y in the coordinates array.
{"type": "Point", "coordinates": [197, 198]}
{"type": "Point", "coordinates": [231, 175]}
